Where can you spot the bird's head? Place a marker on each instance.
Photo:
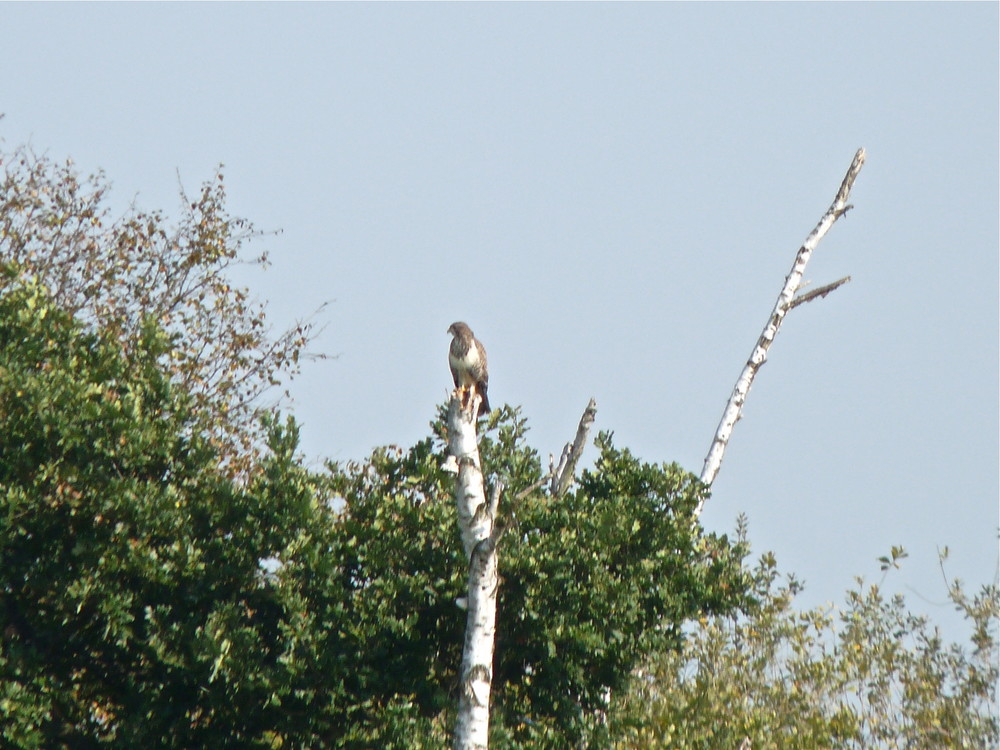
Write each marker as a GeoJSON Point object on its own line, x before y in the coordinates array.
{"type": "Point", "coordinates": [459, 330]}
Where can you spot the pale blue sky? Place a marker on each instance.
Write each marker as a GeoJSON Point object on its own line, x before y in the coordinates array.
{"type": "Point", "coordinates": [611, 196]}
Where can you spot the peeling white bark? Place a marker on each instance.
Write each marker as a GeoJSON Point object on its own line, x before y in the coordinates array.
{"type": "Point", "coordinates": [472, 727]}
{"type": "Point", "coordinates": [786, 301]}
{"type": "Point", "coordinates": [476, 525]}
{"type": "Point", "coordinates": [470, 494]}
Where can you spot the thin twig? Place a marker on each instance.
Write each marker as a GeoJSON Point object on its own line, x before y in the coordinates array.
{"type": "Point", "coordinates": [820, 292]}
{"type": "Point", "coordinates": [532, 487]}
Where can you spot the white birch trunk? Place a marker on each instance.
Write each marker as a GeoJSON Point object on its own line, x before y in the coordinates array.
{"type": "Point", "coordinates": [475, 519]}
{"type": "Point", "coordinates": [473, 725]}
{"type": "Point", "coordinates": [470, 492]}
{"type": "Point", "coordinates": [786, 301]}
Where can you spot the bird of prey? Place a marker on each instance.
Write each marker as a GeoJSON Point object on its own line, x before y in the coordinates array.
{"type": "Point", "coordinates": [467, 359]}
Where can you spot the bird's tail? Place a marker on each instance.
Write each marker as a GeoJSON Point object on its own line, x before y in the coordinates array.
{"type": "Point", "coordinates": [484, 404]}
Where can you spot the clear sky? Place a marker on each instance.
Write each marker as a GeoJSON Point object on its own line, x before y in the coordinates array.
{"type": "Point", "coordinates": [611, 196]}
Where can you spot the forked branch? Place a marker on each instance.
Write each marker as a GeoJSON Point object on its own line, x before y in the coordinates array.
{"type": "Point", "coordinates": [562, 475]}
{"type": "Point", "coordinates": [786, 301]}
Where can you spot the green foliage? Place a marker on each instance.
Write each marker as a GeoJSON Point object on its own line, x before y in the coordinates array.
{"type": "Point", "coordinates": [594, 580]}
{"type": "Point", "coordinates": [872, 675]}
{"type": "Point", "coordinates": [115, 275]}
{"type": "Point", "coordinates": [135, 608]}
{"type": "Point", "coordinates": [401, 570]}
{"type": "Point", "coordinates": [163, 582]}
{"type": "Point", "coordinates": [148, 597]}
{"type": "Point", "coordinates": [590, 581]}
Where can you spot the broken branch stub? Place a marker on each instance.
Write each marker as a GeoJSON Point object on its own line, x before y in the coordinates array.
{"type": "Point", "coordinates": [562, 476]}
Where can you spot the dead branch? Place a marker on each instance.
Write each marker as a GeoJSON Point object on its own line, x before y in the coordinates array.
{"type": "Point", "coordinates": [562, 476]}
{"type": "Point", "coordinates": [786, 301]}
{"type": "Point", "coordinates": [820, 292]}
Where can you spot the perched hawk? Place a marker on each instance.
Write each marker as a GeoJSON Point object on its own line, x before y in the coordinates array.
{"type": "Point", "coordinates": [468, 363]}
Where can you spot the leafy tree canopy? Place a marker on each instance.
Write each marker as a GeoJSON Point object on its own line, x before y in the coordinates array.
{"type": "Point", "coordinates": [166, 581]}
{"type": "Point", "coordinates": [113, 274]}
{"type": "Point", "coordinates": [590, 581]}
{"type": "Point", "coordinates": [136, 609]}
{"type": "Point", "coordinates": [870, 674]}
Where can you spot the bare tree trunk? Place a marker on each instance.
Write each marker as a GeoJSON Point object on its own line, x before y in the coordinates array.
{"type": "Point", "coordinates": [480, 534]}
{"type": "Point", "coordinates": [476, 524]}
{"type": "Point", "coordinates": [786, 301]}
